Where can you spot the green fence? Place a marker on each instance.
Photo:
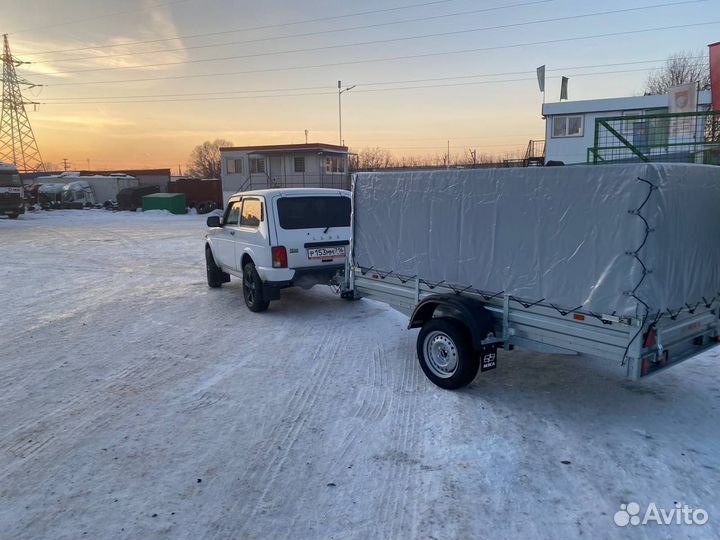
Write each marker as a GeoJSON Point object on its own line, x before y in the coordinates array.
{"type": "Point", "coordinates": [680, 137]}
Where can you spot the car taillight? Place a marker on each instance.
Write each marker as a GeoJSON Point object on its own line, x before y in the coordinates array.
{"type": "Point", "coordinates": [279, 257]}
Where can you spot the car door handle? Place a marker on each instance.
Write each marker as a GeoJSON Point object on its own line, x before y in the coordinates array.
{"type": "Point", "coordinates": [232, 233]}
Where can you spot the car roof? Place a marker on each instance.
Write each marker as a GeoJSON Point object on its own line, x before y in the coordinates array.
{"type": "Point", "coordinates": [291, 191]}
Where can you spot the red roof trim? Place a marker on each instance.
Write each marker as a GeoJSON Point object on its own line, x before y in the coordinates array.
{"type": "Point", "coordinates": [309, 146]}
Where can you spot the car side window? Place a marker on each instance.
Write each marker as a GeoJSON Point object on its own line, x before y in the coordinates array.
{"type": "Point", "coordinates": [252, 213]}
{"type": "Point", "coordinates": [233, 215]}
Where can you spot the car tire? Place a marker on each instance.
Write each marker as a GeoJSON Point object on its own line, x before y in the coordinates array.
{"type": "Point", "coordinates": [253, 289]}
{"type": "Point", "coordinates": [215, 276]}
{"type": "Point", "coordinates": [13, 216]}
{"type": "Point", "coordinates": [445, 353]}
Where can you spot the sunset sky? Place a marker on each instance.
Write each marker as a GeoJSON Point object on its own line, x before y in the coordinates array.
{"type": "Point", "coordinates": [140, 83]}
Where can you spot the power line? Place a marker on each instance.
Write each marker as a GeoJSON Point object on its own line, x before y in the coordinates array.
{"type": "Point", "coordinates": [250, 28]}
{"type": "Point", "coordinates": [377, 83]}
{"type": "Point", "coordinates": [346, 29]}
{"type": "Point", "coordinates": [395, 40]}
{"type": "Point", "coordinates": [78, 102]}
{"type": "Point", "coordinates": [497, 27]}
{"type": "Point", "coordinates": [405, 57]}
{"type": "Point", "coordinates": [95, 17]}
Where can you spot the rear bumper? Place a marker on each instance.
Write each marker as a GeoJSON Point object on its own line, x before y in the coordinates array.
{"type": "Point", "coordinates": [304, 277]}
{"type": "Point", "coordinates": [12, 207]}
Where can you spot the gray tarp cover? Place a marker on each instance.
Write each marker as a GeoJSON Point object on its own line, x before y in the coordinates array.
{"type": "Point", "coordinates": [558, 234]}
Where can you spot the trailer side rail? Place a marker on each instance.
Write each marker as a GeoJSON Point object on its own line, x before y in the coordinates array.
{"type": "Point", "coordinates": [550, 329]}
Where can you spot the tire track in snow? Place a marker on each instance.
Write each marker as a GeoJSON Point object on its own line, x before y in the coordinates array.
{"type": "Point", "coordinates": [300, 421]}
{"type": "Point", "coordinates": [92, 414]}
{"type": "Point", "coordinates": [372, 409]}
{"type": "Point", "coordinates": [297, 413]}
{"type": "Point", "coordinates": [399, 460]}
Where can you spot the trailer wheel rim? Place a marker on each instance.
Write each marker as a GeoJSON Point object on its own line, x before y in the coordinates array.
{"type": "Point", "coordinates": [441, 354]}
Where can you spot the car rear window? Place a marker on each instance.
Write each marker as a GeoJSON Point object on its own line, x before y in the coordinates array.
{"type": "Point", "coordinates": [313, 212]}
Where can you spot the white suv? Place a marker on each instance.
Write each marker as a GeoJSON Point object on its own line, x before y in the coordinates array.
{"type": "Point", "coordinates": [277, 238]}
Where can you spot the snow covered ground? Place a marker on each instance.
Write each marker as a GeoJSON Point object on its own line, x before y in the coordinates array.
{"type": "Point", "coordinates": [135, 402]}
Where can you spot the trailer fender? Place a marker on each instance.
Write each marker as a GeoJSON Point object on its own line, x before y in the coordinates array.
{"type": "Point", "coordinates": [468, 311]}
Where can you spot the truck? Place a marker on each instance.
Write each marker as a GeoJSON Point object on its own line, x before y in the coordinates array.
{"type": "Point", "coordinates": [616, 261]}
{"type": "Point", "coordinates": [81, 191]}
{"type": "Point", "coordinates": [12, 198]}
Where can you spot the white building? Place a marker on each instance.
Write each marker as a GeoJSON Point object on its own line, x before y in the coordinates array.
{"type": "Point", "coordinates": [286, 165]}
{"type": "Point", "coordinates": [570, 125]}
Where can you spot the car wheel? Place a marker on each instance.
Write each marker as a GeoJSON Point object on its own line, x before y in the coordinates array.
{"type": "Point", "coordinates": [446, 355]}
{"type": "Point", "coordinates": [13, 216]}
{"type": "Point", "coordinates": [215, 276]}
{"type": "Point", "coordinates": [253, 289]}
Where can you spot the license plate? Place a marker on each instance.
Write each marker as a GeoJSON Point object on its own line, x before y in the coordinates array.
{"type": "Point", "coordinates": [488, 358]}
{"type": "Point", "coordinates": [326, 252]}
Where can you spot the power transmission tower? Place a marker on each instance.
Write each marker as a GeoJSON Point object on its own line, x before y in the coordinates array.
{"type": "Point", "coordinates": [17, 140]}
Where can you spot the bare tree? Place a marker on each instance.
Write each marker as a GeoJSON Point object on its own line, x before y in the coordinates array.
{"type": "Point", "coordinates": [680, 68]}
{"type": "Point", "coordinates": [371, 158]}
{"type": "Point", "coordinates": [205, 159]}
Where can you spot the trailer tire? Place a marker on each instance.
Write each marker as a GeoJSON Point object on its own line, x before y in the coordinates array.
{"type": "Point", "coordinates": [445, 353]}
{"type": "Point", "coordinates": [215, 276]}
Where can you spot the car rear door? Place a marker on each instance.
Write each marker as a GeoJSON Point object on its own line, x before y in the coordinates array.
{"type": "Point", "coordinates": [314, 228]}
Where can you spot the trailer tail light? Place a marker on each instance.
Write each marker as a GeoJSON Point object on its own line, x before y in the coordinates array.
{"type": "Point", "coordinates": [649, 338]}
{"type": "Point", "coordinates": [279, 257]}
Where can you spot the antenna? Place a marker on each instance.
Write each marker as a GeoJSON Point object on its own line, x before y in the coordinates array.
{"type": "Point", "coordinates": [17, 140]}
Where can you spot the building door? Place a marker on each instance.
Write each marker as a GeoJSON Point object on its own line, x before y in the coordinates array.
{"type": "Point", "coordinates": [276, 172]}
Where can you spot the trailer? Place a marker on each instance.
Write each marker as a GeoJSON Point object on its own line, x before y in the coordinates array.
{"type": "Point", "coordinates": [80, 190]}
{"type": "Point", "coordinates": [620, 262]}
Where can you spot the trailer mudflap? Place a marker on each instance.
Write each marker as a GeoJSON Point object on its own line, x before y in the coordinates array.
{"type": "Point", "coordinates": [488, 357]}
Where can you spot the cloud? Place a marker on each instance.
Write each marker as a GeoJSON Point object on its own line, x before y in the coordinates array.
{"type": "Point", "coordinates": [100, 122]}
{"type": "Point", "coordinates": [155, 23]}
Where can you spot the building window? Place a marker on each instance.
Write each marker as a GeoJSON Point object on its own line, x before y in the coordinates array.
{"type": "Point", "coordinates": [257, 165]}
{"type": "Point", "coordinates": [299, 164]}
{"type": "Point", "coordinates": [334, 164]}
{"type": "Point", "coordinates": [646, 129]}
{"type": "Point", "coordinates": [233, 166]}
{"type": "Point", "coordinates": [567, 126]}
{"type": "Point", "coordinates": [629, 125]}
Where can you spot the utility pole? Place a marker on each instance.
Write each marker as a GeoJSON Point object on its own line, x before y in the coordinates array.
{"type": "Point", "coordinates": [341, 91]}
{"type": "Point", "coordinates": [306, 135]}
{"type": "Point", "coordinates": [88, 162]}
{"type": "Point", "coordinates": [65, 164]}
{"type": "Point", "coordinates": [17, 140]}
{"type": "Point", "coordinates": [448, 154]}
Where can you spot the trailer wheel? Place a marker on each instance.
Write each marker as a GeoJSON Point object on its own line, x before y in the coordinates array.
{"type": "Point", "coordinates": [446, 354]}
{"type": "Point", "coordinates": [215, 276]}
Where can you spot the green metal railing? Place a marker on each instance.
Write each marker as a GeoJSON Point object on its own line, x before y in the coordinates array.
{"type": "Point", "coordinates": [662, 137]}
